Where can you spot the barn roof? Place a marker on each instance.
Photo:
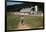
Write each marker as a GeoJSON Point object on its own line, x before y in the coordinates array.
{"type": "Point", "coordinates": [26, 9]}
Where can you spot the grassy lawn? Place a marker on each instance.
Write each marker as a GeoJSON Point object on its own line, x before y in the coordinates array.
{"type": "Point", "coordinates": [33, 21]}
{"type": "Point", "coordinates": [12, 21]}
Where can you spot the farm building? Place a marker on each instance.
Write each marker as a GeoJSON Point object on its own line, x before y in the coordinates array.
{"type": "Point", "coordinates": [29, 11]}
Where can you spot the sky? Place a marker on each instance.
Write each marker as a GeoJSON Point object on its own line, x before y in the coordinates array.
{"type": "Point", "coordinates": [13, 0]}
{"type": "Point", "coordinates": [12, 3]}
{"type": "Point", "coordinates": [17, 0]}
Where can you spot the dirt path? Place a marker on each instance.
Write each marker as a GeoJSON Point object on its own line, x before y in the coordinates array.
{"type": "Point", "coordinates": [23, 26]}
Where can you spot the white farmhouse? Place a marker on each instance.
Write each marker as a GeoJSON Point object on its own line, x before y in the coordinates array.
{"type": "Point", "coordinates": [28, 11]}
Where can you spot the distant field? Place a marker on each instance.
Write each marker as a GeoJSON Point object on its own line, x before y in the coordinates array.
{"type": "Point", "coordinates": [33, 21]}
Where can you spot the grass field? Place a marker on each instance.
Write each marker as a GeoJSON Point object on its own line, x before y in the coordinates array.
{"type": "Point", "coordinates": [12, 21]}
{"type": "Point", "coordinates": [33, 21]}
